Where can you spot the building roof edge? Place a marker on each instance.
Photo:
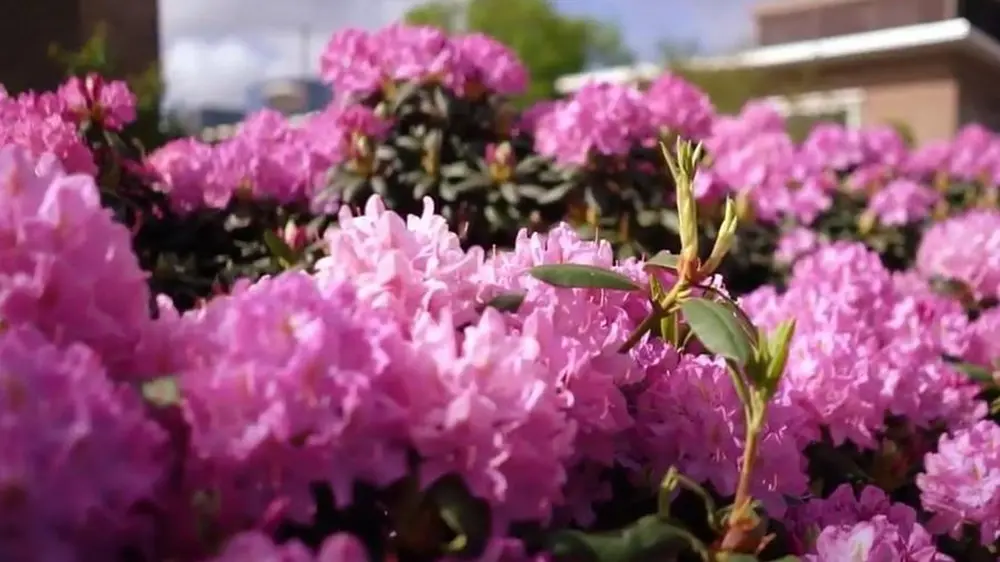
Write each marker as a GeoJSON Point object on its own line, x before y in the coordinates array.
{"type": "Point", "coordinates": [951, 31]}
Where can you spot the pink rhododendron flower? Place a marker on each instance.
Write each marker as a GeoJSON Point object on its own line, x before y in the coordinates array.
{"type": "Point", "coordinates": [599, 118]}
{"type": "Point", "coordinates": [680, 107]}
{"type": "Point", "coordinates": [903, 202]}
{"type": "Point", "coordinates": [961, 482]}
{"type": "Point", "coordinates": [78, 452]}
{"type": "Point", "coordinates": [66, 267]}
{"type": "Point", "coordinates": [876, 540]}
{"type": "Point", "coordinates": [964, 248]}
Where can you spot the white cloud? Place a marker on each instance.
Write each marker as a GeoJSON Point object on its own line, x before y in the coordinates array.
{"type": "Point", "coordinates": [214, 49]}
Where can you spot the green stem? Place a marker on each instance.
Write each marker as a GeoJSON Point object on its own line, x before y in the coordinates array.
{"type": "Point", "coordinates": [652, 321]}
{"type": "Point", "coordinates": [742, 391]}
{"type": "Point", "coordinates": [753, 414]}
{"type": "Point", "coordinates": [644, 327]}
{"type": "Point", "coordinates": [743, 498]}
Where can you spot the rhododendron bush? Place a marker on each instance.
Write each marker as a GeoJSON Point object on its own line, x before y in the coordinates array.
{"type": "Point", "coordinates": [421, 114]}
{"type": "Point", "coordinates": [419, 326]}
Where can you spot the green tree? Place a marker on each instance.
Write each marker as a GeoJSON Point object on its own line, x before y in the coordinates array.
{"type": "Point", "coordinates": [551, 44]}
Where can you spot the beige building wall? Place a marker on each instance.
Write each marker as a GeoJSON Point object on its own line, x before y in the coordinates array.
{"type": "Point", "coordinates": [928, 108]}
{"type": "Point", "coordinates": [921, 90]}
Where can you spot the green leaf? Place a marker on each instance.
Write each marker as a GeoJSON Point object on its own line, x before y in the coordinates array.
{"type": "Point", "coordinates": [162, 392]}
{"type": "Point", "coordinates": [663, 259]}
{"type": "Point", "coordinates": [639, 541]}
{"type": "Point", "coordinates": [670, 329]}
{"type": "Point", "coordinates": [467, 516]}
{"type": "Point", "coordinates": [673, 480]}
{"type": "Point", "coordinates": [506, 302]}
{"type": "Point", "coordinates": [745, 321]}
{"type": "Point", "coordinates": [279, 249]}
{"type": "Point", "coordinates": [779, 344]}
{"type": "Point", "coordinates": [718, 329]}
{"type": "Point", "coordinates": [977, 373]}
{"type": "Point", "coordinates": [578, 276]}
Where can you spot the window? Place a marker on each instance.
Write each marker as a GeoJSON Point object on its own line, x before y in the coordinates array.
{"type": "Point", "coordinates": [800, 125]}
{"type": "Point", "coordinates": [804, 110]}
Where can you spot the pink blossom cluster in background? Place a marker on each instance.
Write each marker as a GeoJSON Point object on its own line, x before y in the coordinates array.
{"type": "Point", "coordinates": [750, 152]}
{"type": "Point", "coordinates": [267, 157]}
{"type": "Point", "coordinates": [49, 121]}
{"type": "Point", "coordinates": [359, 63]}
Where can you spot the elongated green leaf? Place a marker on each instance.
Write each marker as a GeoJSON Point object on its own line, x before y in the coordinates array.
{"type": "Point", "coordinates": [718, 329]}
{"type": "Point", "coordinates": [779, 345]}
{"type": "Point", "coordinates": [279, 249]}
{"type": "Point", "coordinates": [162, 392]}
{"type": "Point", "coordinates": [578, 276]}
{"type": "Point", "coordinates": [977, 373]}
{"type": "Point", "coordinates": [639, 541]}
{"type": "Point", "coordinates": [663, 259]}
{"type": "Point", "coordinates": [467, 516]}
{"type": "Point", "coordinates": [734, 307]}
{"type": "Point", "coordinates": [506, 302]}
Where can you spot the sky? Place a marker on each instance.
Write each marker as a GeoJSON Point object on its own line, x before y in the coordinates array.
{"type": "Point", "coordinates": [214, 49]}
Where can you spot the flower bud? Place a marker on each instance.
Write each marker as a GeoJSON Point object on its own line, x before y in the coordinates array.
{"type": "Point", "coordinates": [682, 168]}
{"type": "Point", "coordinates": [867, 222]}
{"type": "Point", "coordinates": [723, 242]}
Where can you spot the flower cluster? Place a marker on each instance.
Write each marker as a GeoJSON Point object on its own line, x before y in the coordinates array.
{"type": "Point", "coordinates": [960, 484]}
{"type": "Point", "coordinates": [866, 526]}
{"type": "Point", "coordinates": [865, 348]}
{"type": "Point", "coordinates": [67, 268]}
{"type": "Point", "coordinates": [359, 63]}
{"type": "Point", "coordinates": [965, 248]}
{"type": "Point", "coordinates": [268, 158]}
{"type": "Point", "coordinates": [79, 451]}
{"type": "Point", "coordinates": [600, 119]}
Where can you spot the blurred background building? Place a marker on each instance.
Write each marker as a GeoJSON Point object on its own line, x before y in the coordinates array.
{"type": "Point", "coordinates": [296, 98]}
{"type": "Point", "coordinates": [290, 96]}
{"type": "Point", "coordinates": [932, 64]}
{"type": "Point", "coordinates": [28, 30]}
{"type": "Point", "coordinates": [195, 120]}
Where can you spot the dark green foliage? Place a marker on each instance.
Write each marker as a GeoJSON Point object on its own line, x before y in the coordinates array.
{"type": "Point", "coordinates": [463, 153]}
{"type": "Point", "coordinates": [191, 256]}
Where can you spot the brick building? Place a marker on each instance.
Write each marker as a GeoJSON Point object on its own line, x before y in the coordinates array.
{"type": "Point", "coordinates": [931, 64]}
{"type": "Point", "coordinates": [29, 28]}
